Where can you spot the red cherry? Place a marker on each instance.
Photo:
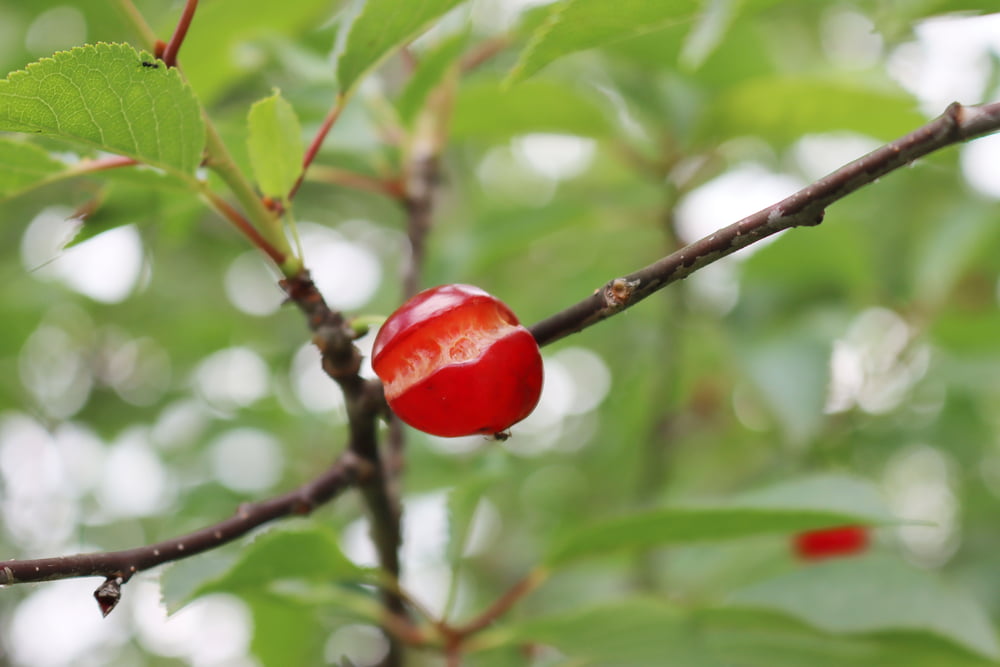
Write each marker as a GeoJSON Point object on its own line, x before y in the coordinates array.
{"type": "Point", "coordinates": [831, 542]}
{"type": "Point", "coordinates": [454, 361]}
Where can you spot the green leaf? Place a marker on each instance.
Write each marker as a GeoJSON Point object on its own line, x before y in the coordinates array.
{"type": "Point", "coordinates": [575, 25]}
{"type": "Point", "coordinates": [947, 250]}
{"type": "Point", "coordinates": [103, 96]}
{"type": "Point", "coordinates": [275, 145]}
{"type": "Point", "coordinates": [781, 109]}
{"type": "Point", "coordinates": [792, 372]}
{"type": "Point", "coordinates": [647, 631]}
{"type": "Point", "coordinates": [382, 27]}
{"type": "Point", "coordinates": [285, 632]}
{"type": "Point", "coordinates": [485, 109]}
{"type": "Point", "coordinates": [432, 69]}
{"type": "Point", "coordinates": [181, 580]}
{"type": "Point", "coordinates": [295, 552]}
{"type": "Point", "coordinates": [758, 637]}
{"type": "Point", "coordinates": [227, 39]}
{"type": "Point", "coordinates": [24, 166]}
{"type": "Point", "coordinates": [809, 503]}
{"type": "Point", "coordinates": [875, 594]}
{"type": "Point", "coordinates": [636, 632]}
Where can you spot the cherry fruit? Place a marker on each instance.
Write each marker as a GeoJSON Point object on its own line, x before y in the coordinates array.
{"type": "Point", "coordinates": [831, 542]}
{"type": "Point", "coordinates": [454, 360]}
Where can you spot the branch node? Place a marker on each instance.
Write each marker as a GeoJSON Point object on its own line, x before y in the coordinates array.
{"type": "Point", "coordinates": [618, 292]}
{"type": "Point", "coordinates": [109, 594]}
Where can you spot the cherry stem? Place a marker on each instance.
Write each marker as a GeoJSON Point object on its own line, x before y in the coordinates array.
{"type": "Point", "coordinates": [180, 32]}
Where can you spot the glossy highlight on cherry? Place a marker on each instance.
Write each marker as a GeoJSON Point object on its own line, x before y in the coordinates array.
{"type": "Point", "coordinates": [455, 360]}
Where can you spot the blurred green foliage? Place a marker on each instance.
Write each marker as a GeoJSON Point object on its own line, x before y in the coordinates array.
{"type": "Point", "coordinates": [864, 353]}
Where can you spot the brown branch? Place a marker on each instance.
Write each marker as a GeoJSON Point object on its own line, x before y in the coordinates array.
{"type": "Point", "coordinates": [365, 401]}
{"type": "Point", "coordinates": [422, 175]}
{"type": "Point", "coordinates": [804, 208]}
{"type": "Point", "coordinates": [119, 566]}
{"type": "Point", "coordinates": [180, 32]}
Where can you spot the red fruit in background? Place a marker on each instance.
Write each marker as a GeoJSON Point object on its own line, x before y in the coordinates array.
{"type": "Point", "coordinates": [454, 361]}
{"type": "Point", "coordinates": [831, 542]}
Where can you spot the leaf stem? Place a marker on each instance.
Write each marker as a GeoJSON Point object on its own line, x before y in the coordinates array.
{"type": "Point", "coordinates": [331, 117]}
{"type": "Point", "coordinates": [180, 32]}
{"type": "Point", "coordinates": [267, 225]}
{"type": "Point", "coordinates": [227, 211]}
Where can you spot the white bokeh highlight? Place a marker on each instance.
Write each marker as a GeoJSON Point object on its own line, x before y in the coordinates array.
{"type": "Point", "coordinates": [134, 480]}
{"type": "Point", "coordinates": [556, 156]}
{"type": "Point", "coordinates": [232, 378]}
{"type": "Point", "coordinates": [211, 631]}
{"type": "Point", "coordinates": [251, 286]}
{"type": "Point", "coordinates": [875, 364]}
{"type": "Point", "coordinates": [347, 273]}
{"type": "Point", "coordinates": [919, 484]}
{"type": "Point", "coordinates": [949, 61]}
{"type": "Point", "coordinates": [106, 268]}
{"type": "Point", "coordinates": [719, 203]}
{"type": "Point", "coordinates": [59, 625]}
{"type": "Point", "coordinates": [980, 160]}
{"type": "Point", "coordinates": [313, 388]}
{"type": "Point", "coordinates": [246, 460]}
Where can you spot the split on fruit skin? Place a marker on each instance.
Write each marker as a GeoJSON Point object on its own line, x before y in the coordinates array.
{"type": "Point", "coordinates": [454, 361]}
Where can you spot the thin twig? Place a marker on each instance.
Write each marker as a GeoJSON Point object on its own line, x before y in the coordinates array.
{"type": "Point", "coordinates": [388, 187]}
{"type": "Point", "coordinates": [422, 174]}
{"type": "Point", "coordinates": [180, 32]}
{"type": "Point", "coordinates": [324, 129]}
{"type": "Point", "coordinates": [484, 51]}
{"type": "Point", "coordinates": [243, 225]}
{"type": "Point", "coordinates": [804, 208]}
{"type": "Point", "coordinates": [502, 605]}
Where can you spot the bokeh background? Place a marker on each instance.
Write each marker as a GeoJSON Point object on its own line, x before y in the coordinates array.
{"type": "Point", "coordinates": [153, 380]}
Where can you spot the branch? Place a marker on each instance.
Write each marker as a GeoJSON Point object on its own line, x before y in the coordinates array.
{"type": "Point", "coordinates": [388, 187]}
{"type": "Point", "coordinates": [422, 173]}
{"type": "Point", "coordinates": [365, 402]}
{"type": "Point", "coordinates": [119, 566]}
{"type": "Point", "coordinates": [803, 209]}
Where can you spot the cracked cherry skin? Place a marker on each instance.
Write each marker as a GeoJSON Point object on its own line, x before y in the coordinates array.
{"type": "Point", "coordinates": [831, 542]}
{"type": "Point", "coordinates": [454, 360]}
